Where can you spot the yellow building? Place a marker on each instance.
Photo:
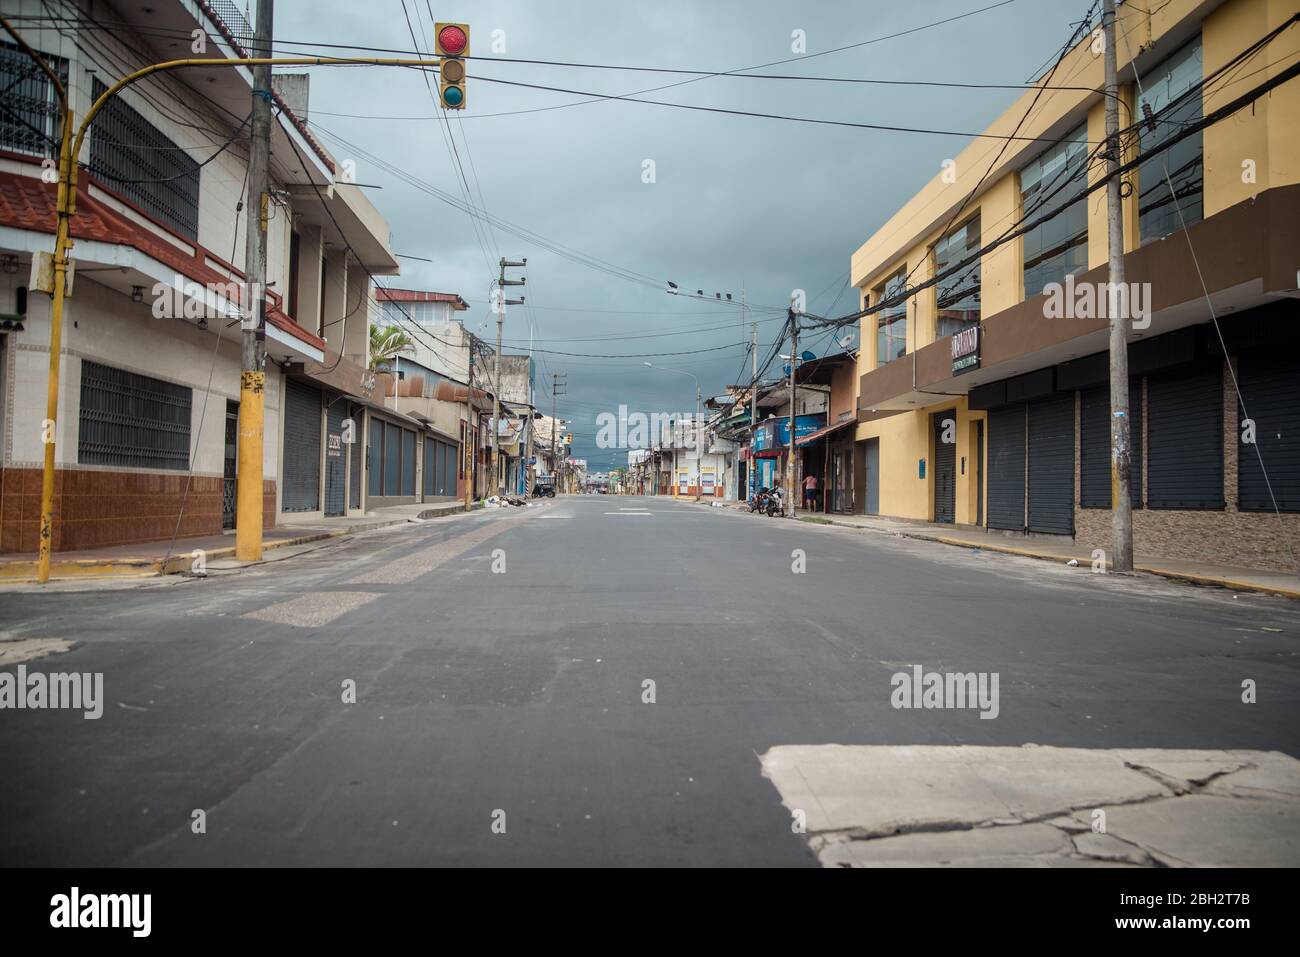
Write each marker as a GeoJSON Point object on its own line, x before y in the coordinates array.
{"type": "Point", "coordinates": [982, 396]}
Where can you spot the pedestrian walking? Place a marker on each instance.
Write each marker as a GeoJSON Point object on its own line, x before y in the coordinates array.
{"type": "Point", "coordinates": [810, 493]}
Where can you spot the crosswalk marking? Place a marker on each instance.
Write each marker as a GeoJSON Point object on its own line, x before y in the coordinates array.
{"type": "Point", "coordinates": [410, 567]}
{"type": "Point", "coordinates": [313, 609]}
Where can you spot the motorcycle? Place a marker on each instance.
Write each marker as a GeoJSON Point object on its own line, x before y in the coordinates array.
{"type": "Point", "coordinates": [767, 501]}
{"type": "Point", "coordinates": [775, 504]}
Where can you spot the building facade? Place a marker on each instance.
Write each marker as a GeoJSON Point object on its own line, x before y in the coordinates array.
{"type": "Point", "coordinates": [982, 377]}
{"type": "Point", "coordinates": [148, 421]}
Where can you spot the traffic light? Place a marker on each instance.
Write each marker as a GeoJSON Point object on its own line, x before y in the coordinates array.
{"type": "Point", "coordinates": [451, 42]}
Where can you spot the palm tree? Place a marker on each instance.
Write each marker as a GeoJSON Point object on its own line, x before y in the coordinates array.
{"type": "Point", "coordinates": [387, 342]}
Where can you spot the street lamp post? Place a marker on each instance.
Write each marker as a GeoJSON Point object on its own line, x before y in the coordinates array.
{"type": "Point", "coordinates": [699, 428]}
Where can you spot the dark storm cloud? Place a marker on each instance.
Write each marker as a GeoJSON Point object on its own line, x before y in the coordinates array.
{"type": "Point", "coordinates": [738, 201]}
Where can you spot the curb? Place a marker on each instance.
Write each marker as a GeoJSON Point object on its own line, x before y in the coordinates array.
{"type": "Point", "coordinates": [1230, 583]}
{"type": "Point", "coordinates": [18, 572]}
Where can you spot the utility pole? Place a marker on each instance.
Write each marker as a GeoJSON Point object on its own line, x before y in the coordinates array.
{"type": "Point", "coordinates": [252, 377]}
{"type": "Point", "coordinates": [1121, 559]}
{"type": "Point", "coordinates": [501, 304]}
{"type": "Point", "coordinates": [556, 385]}
{"type": "Point", "coordinates": [469, 430]}
{"type": "Point", "coordinates": [699, 444]}
{"type": "Point", "coordinates": [794, 366]}
{"type": "Point", "coordinates": [753, 403]}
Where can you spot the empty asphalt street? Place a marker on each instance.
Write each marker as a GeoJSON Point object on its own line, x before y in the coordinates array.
{"type": "Point", "coordinates": [612, 680]}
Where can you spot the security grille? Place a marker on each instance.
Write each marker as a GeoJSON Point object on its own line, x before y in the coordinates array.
{"type": "Point", "coordinates": [1051, 465]}
{"type": "Point", "coordinates": [132, 420]}
{"type": "Point", "coordinates": [145, 166]}
{"type": "Point", "coordinates": [1185, 438]}
{"type": "Point", "coordinates": [302, 458]}
{"type": "Point", "coordinates": [30, 118]}
{"type": "Point", "coordinates": [1268, 384]}
{"type": "Point", "coordinates": [1006, 479]}
{"type": "Point", "coordinates": [229, 14]}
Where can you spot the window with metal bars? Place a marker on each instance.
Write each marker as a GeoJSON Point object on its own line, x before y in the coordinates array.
{"type": "Point", "coordinates": [137, 160]}
{"type": "Point", "coordinates": [30, 118]}
{"type": "Point", "coordinates": [131, 420]}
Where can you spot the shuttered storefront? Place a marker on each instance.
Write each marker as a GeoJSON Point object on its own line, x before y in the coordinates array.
{"type": "Point", "coordinates": [439, 467]}
{"type": "Point", "coordinates": [356, 453]}
{"type": "Point", "coordinates": [1270, 386]}
{"type": "Point", "coordinates": [302, 452]}
{"type": "Point", "coordinates": [1185, 438]}
{"type": "Point", "coordinates": [451, 466]}
{"type": "Point", "coordinates": [1051, 465]}
{"type": "Point", "coordinates": [430, 467]}
{"type": "Point", "coordinates": [1006, 472]}
{"type": "Point", "coordinates": [1094, 446]}
{"type": "Point", "coordinates": [945, 466]}
{"type": "Point", "coordinates": [335, 454]}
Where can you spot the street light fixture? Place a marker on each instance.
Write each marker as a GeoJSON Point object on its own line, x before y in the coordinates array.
{"type": "Point", "coordinates": [699, 427]}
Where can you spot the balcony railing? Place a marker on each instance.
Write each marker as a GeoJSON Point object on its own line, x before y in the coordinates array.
{"type": "Point", "coordinates": [230, 16]}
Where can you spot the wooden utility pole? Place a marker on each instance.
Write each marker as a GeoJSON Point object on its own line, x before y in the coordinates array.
{"type": "Point", "coordinates": [252, 377]}
{"type": "Point", "coordinates": [1121, 559]}
{"type": "Point", "coordinates": [794, 367]}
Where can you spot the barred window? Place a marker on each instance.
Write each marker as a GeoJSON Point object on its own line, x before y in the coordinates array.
{"type": "Point", "coordinates": [136, 159]}
{"type": "Point", "coordinates": [131, 420]}
{"type": "Point", "coordinates": [30, 118]}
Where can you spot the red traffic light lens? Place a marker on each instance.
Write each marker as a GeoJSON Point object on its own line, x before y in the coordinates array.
{"type": "Point", "coordinates": [452, 40]}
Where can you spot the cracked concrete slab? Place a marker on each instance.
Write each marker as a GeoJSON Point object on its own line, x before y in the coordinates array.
{"type": "Point", "coordinates": [1035, 806]}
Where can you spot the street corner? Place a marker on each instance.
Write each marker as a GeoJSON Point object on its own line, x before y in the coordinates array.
{"type": "Point", "coordinates": [1036, 806]}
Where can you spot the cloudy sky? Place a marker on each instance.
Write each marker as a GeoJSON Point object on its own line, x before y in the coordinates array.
{"type": "Point", "coordinates": [736, 202]}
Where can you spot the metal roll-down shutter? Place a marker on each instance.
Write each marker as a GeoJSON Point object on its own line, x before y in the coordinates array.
{"type": "Point", "coordinates": [1051, 465]}
{"type": "Point", "coordinates": [1270, 386]}
{"type": "Point", "coordinates": [1006, 470]}
{"type": "Point", "coordinates": [1185, 439]}
{"type": "Point", "coordinates": [301, 447]}
{"type": "Point", "coordinates": [1094, 446]}
{"type": "Point", "coordinates": [945, 467]}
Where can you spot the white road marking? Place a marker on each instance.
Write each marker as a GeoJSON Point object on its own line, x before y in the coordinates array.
{"type": "Point", "coordinates": [313, 609]}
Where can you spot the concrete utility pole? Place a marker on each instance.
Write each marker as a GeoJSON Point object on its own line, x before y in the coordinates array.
{"type": "Point", "coordinates": [699, 444]}
{"type": "Point", "coordinates": [502, 302]}
{"type": "Point", "coordinates": [470, 418]}
{"type": "Point", "coordinates": [753, 400]}
{"type": "Point", "coordinates": [252, 377]}
{"type": "Point", "coordinates": [794, 366]}
{"type": "Point", "coordinates": [556, 385]}
{"type": "Point", "coordinates": [1121, 559]}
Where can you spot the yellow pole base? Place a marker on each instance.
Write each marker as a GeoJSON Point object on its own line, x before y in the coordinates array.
{"type": "Point", "coordinates": [248, 481]}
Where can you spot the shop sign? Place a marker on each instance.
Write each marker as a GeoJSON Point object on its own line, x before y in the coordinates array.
{"type": "Point", "coordinates": [966, 349]}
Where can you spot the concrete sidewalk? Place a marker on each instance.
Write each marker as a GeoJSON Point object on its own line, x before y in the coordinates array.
{"type": "Point", "coordinates": [146, 559]}
{"type": "Point", "coordinates": [1237, 577]}
{"type": "Point", "coordinates": [1032, 806]}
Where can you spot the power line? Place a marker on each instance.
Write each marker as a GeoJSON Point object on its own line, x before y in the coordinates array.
{"type": "Point", "coordinates": [1218, 115]}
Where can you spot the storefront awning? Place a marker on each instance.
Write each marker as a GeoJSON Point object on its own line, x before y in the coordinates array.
{"type": "Point", "coordinates": [812, 437]}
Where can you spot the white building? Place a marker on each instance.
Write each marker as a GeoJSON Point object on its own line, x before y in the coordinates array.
{"type": "Point", "coordinates": [148, 406]}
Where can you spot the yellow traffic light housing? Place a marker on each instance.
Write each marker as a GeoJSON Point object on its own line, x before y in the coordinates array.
{"type": "Point", "coordinates": [451, 43]}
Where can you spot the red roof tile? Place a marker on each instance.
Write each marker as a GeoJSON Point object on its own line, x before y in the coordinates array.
{"type": "Point", "coordinates": [27, 202]}
{"type": "Point", "coordinates": [389, 294]}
